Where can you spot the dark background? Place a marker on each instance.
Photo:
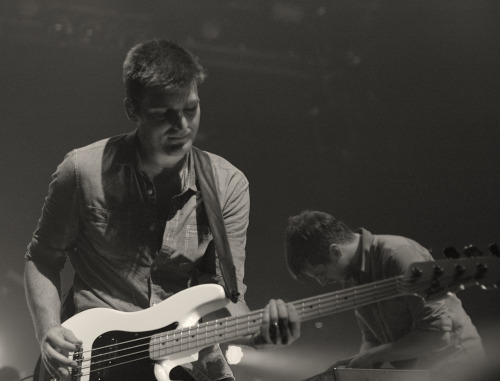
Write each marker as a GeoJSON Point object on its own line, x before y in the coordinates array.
{"type": "Point", "coordinates": [383, 113]}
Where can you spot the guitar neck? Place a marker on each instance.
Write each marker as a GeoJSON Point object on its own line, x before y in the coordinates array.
{"type": "Point", "coordinates": [348, 299]}
{"type": "Point", "coordinates": [234, 327]}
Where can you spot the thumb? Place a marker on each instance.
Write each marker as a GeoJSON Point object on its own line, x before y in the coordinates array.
{"type": "Point", "coordinates": [69, 336]}
{"type": "Point", "coordinates": [339, 363]}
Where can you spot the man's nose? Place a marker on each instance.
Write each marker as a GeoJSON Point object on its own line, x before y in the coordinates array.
{"type": "Point", "coordinates": [178, 120]}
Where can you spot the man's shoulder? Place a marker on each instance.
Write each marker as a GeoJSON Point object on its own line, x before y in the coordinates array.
{"type": "Point", "coordinates": [389, 244]}
{"type": "Point", "coordinates": [391, 239]}
{"type": "Point", "coordinates": [100, 145]}
{"type": "Point", "coordinates": [100, 155]}
{"type": "Point", "coordinates": [223, 166]}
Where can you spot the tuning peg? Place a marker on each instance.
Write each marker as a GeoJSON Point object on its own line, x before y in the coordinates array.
{"type": "Point", "coordinates": [459, 270]}
{"type": "Point", "coordinates": [472, 251]}
{"type": "Point", "coordinates": [451, 252]}
{"type": "Point", "coordinates": [494, 250]}
{"type": "Point", "coordinates": [481, 268]}
{"type": "Point", "coordinates": [438, 271]}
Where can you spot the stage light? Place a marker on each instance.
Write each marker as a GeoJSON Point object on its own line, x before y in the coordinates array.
{"type": "Point", "coordinates": [211, 30]}
{"type": "Point", "coordinates": [60, 29]}
{"type": "Point", "coordinates": [234, 354]}
{"type": "Point", "coordinates": [90, 32]}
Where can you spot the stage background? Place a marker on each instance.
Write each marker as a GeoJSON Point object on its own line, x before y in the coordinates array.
{"type": "Point", "coordinates": [383, 113]}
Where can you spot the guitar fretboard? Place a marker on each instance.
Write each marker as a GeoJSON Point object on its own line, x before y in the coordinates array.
{"type": "Point", "coordinates": [223, 330]}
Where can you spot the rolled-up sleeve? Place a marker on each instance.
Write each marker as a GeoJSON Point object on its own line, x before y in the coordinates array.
{"type": "Point", "coordinates": [426, 315]}
{"type": "Point", "coordinates": [57, 227]}
{"type": "Point", "coordinates": [430, 315]}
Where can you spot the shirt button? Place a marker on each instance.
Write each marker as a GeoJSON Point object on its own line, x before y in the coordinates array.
{"type": "Point", "coordinates": [149, 191]}
{"type": "Point", "coordinates": [152, 227]}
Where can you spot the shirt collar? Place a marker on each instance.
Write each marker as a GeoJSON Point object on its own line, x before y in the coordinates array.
{"type": "Point", "coordinates": [129, 155]}
{"type": "Point", "coordinates": [360, 265]}
{"type": "Point", "coordinates": [191, 175]}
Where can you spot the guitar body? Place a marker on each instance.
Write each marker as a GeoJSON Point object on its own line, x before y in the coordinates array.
{"type": "Point", "coordinates": [102, 330]}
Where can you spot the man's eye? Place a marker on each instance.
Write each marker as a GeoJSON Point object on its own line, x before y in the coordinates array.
{"type": "Point", "coordinates": [191, 109]}
{"type": "Point", "coordinates": [157, 116]}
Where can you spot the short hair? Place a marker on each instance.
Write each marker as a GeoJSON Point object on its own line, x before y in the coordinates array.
{"type": "Point", "coordinates": [308, 236]}
{"type": "Point", "coordinates": [159, 64]}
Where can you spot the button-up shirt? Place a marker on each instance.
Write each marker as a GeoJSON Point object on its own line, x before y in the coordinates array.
{"type": "Point", "coordinates": [385, 256]}
{"type": "Point", "coordinates": [128, 251]}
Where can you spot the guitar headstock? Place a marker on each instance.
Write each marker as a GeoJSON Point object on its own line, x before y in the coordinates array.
{"type": "Point", "coordinates": [432, 280]}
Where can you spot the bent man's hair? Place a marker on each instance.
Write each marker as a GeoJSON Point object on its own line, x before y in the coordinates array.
{"type": "Point", "coordinates": [308, 236]}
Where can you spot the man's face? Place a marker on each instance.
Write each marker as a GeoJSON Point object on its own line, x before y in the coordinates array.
{"type": "Point", "coordinates": [168, 122]}
{"type": "Point", "coordinates": [333, 271]}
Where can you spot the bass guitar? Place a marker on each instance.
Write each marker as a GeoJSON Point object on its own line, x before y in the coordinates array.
{"type": "Point", "coordinates": [148, 344]}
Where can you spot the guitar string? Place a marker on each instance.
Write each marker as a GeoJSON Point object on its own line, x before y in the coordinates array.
{"type": "Point", "coordinates": [346, 304]}
{"type": "Point", "coordinates": [372, 291]}
{"type": "Point", "coordinates": [231, 329]}
{"type": "Point", "coordinates": [304, 302]}
{"type": "Point", "coordinates": [325, 307]}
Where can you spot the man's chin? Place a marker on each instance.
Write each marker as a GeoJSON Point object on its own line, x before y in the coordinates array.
{"type": "Point", "coordinates": [179, 149]}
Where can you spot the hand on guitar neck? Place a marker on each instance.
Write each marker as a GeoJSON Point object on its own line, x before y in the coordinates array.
{"type": "Point", "coordinates": [280, 326]}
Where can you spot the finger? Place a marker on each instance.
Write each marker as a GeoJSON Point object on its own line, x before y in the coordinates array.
{"type": "Point", "coordinates": [63, 372]}
{"type": "Point", "coordinates": [58, 358]}
{"type": "Point", "coordinates": [275, 333]}
{"type": "Point", "coordinates": [264, 328]}
{"type": "Point", "coordinates": [274, 330]}
{"type": "Point", "coordinates": [70, 337]}
{"type": "Point", "coordinates": [65, 341]}
{"type": "Point", "coordinates": [355, 362]}
{"type": "Point", "coordinates": [283, 321]}
{"type": "Point", "coordinates": [293, 322]}
{"type": "Point", "coordinates": [50, 369]}
{"type": "Point", "coordinates": [56, 371]}
{"type": "Point", "coordinates": [343, 362]}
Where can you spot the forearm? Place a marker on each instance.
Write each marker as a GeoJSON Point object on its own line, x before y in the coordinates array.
{"type": "Point", "coordinates": [43, 287]}
{"type": "Point", "coordinates": [415, 344]}
{"type": "Point", "coordinates": [366, 345]}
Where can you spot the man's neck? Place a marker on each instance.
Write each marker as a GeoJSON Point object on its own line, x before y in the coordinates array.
{"type": "Point", "coordinates": [154, 165]}
{"type": "Point", "coordinates": [351, 250]}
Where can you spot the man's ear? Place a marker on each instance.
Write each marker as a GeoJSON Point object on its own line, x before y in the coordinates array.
{"type": "Point", "coordinates": [130, 110]}
{"type": "Point", "coordinates": [335, 252]}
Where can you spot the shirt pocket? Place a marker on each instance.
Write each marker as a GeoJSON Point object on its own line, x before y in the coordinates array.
{"type": "Point", "coordinates": [196, 241]}
{"type": "Point", "coordinates": [114, 233]}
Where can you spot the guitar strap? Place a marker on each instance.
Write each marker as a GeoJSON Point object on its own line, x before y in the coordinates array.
{"type": "Point", "coordinates": [205, 177]}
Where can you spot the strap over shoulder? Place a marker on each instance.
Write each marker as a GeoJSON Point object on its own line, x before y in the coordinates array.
{"type": "Point", "coordinates": [205, 177]}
